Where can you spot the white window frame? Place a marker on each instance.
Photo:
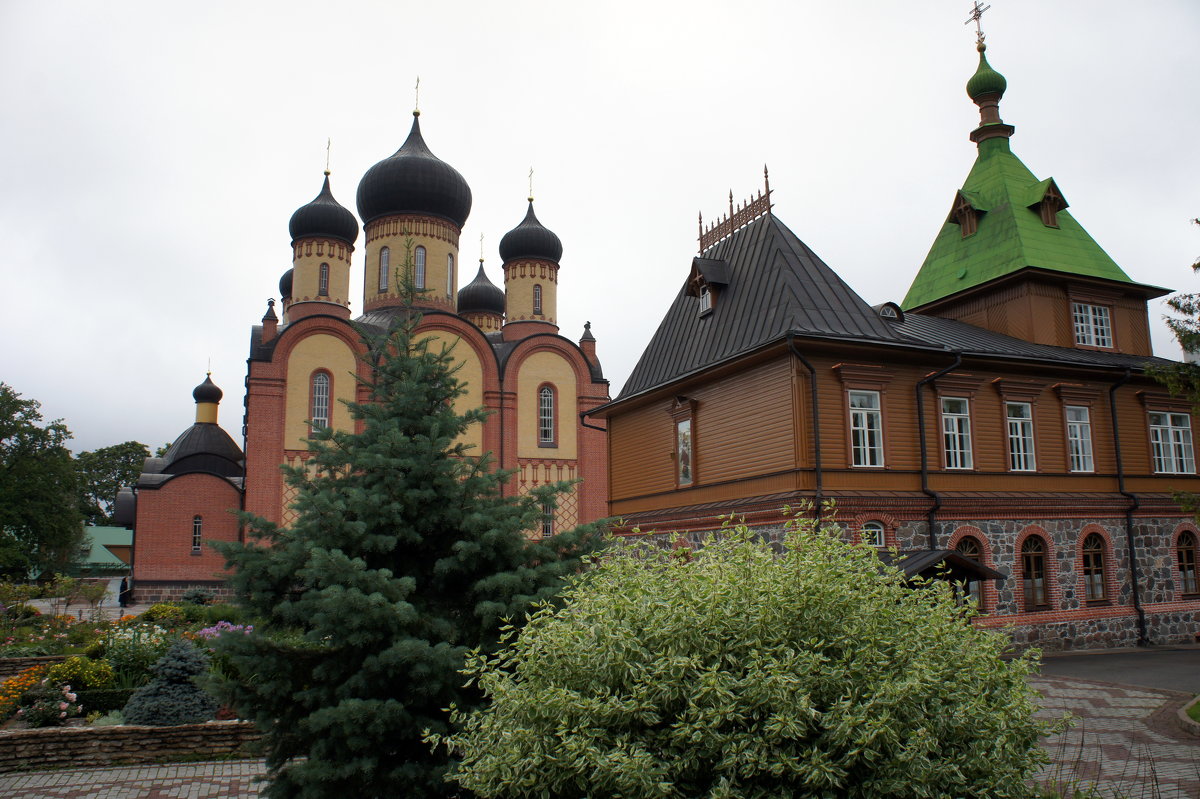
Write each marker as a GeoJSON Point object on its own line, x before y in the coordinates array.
{"type": "Point", "coordinates": [873, 534]}
{"type": "Point", "coordinates": [1079, 439]}
{"type": "Point", "coordinates": [1171, 442]}
{"type": "Point", "coordinates": [197, 533]}
{"type": "Point", "coordinates": [1093, 325]}
{"type": "Point", "coordinates": [419, 268]}
{"type": "Point", "coordinates": [537, 298]}
{"type": "Point", "coordinates": [323, 281]}
{"type": "Point", "coordinates": [319, 386]}
{"type": "Point", "coordinates": [705, 298]}
{"type": "Point", "coordinates": [866, 428]}
{"type": "Point", "coordinates": [449, 274]}
{"type": "Point", "coordinates": [956, 434]}
{"type": "Point", "coordinates": [547, 519]}
{"type": "Point", "coordinates": [385, 260]}
{"type": "Point", "coordinates": [546, 416]}
{"type": "Point", "coordinates": [1019, 426]}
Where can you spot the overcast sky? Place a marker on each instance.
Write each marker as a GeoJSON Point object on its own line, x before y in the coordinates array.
{"type": "Point", "coordinates": [154, 152]}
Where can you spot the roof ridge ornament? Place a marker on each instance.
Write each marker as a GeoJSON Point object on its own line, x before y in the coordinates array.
{"type": "Point", "coordinates": [976, 15]}
{"type": "Point", "coordinates": [738, 216]}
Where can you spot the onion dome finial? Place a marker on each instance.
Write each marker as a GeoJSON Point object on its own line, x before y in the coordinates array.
{"type": "Point", "coordinates": [324, 217]}
{"type": "Point", "coordinates": [985, 80]}
{"type": "Point", "coordinates": [207, 391]}
{"type": "Point", "coordinates": [414, 181]}
{"type": "Point", "coordinates": [530, 239]}
{"type": "Point", "coordinates": [285, 284]}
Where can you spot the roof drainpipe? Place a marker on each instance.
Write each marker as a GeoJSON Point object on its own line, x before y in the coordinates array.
{"type": "Point", "coordinates": [1134, 504]}
{"type": "Point", "coordinates": [819, 494]}
{"type": "Point", "coordinates": [931, 516]}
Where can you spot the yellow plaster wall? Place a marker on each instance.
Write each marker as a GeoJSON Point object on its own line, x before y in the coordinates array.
{"type": "Point", "coordinates": [546, 367]}
{"type": "Point", "coordinates": [318, 351]}
{"type": "Point", "coordinates": [470, 377]}
{"type": "Point", "coordinates": [518, 291]}
{"type": "Point", "coordinates": [436, 251]}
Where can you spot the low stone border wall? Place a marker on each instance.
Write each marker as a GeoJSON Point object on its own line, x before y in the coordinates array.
{"type": "Point", "coordinates": [60, 747]}
{"type": "Point", "coordinates": [11, 667]}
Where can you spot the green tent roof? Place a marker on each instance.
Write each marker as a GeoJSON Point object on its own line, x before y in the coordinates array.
{"type": "Point", "coordinates": [1010, 235]}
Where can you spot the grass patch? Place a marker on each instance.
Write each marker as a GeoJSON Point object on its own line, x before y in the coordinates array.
{"type": "Point", "coordinates": [1193, 711]}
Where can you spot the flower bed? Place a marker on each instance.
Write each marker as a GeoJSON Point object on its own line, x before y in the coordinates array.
{"type": "Point", "coordinates": [81, 747]}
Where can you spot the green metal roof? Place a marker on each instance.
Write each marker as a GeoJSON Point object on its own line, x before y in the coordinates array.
{"type": "Point", "coordinates": [1010, 236]}
{"type": "Point", "coordinates": [98, 537]}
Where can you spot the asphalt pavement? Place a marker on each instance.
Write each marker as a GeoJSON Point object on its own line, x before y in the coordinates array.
{"type": "Point", "coordinates": [1165, 668]}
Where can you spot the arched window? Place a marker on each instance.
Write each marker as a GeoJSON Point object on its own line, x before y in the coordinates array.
{"type": "Point", "coordinates": [197, 532]}
{"type": "Point", "coordinates": [537, 299]}
{"type": "Point", "coordinates": [385, 259]}
{"type": "Point", "coordinates": [970, 549]}
{"type": "Point", "coordinates": [546, 417]}
{"type": "Point", "coordinates": [1093, 567]}
{"type": "Point", "coordinates": [450, 274]}
{"type": "Point", "coordinates": [1187, 563]}
{"type": "Point", "coordinates": [323, 281]}
{"type": "Point", "coordinates": [320, 401]}
{"type": "Point", "coordinates": [547, 519]}
{"type": "Point", "coordinates": [1033, 573]}
{"type": "Point", "coordinates": [873, 534]}
{"type": "Point", "coordinates": [419, 268]}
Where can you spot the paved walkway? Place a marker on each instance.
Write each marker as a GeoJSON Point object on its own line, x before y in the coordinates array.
{"type": "Point", "coordinates": [1126, 745]}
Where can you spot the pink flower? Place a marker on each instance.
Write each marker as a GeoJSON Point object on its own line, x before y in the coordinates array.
{"type": "Point", "coordinates": [21, 712]}
{"type": "Point", "coordinates": [62, 715]}
{"type": "Point", "coordinates": [70, 697]}
{"type": "Point", "coordinates": [62, 705]}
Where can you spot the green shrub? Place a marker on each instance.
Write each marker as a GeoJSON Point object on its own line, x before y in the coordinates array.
{"type": "Point", "coordinates": [82, 672]}
{"type": "Point", "coordinates": [103, 700]}
{"type": "Point", "coordinates": [198, 596]}
{"type": "Point", "coordinates": [173, 697]}
{"type": "Point", "coordinates": [48, 706]}
{"type": "Point", "coordinates": [110, 719]}
{"type": "Point", "coordinates": [166, 613]}
{"type": "Point", "coordinates": [132, 650]}
{"type": "Point", "coordinates": [740, 672]}
{"type": "Point", "coordinates": [234, 614]}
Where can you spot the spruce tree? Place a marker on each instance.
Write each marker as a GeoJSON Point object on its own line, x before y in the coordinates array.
{"type": "Point", "coordinates": [403, 557]}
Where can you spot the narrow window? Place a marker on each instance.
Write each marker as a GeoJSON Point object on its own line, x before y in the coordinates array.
{"type": "Point", "coordinates": [450, 274]}
{"type": "Point", "coordinates": [1171, 439]}
{"type": "Point", "coordinates": [683, 452]}
{"type": "Point", "coordinates": [1093, 327]}
{"type": "Point", "coordinates": [537, 299]}
{"type": "Point", "coordinates": [1187, 564]}
{"type": "Point", "coordinates": [1093, 567]}
{"type": "Point", "coordinates": [547, 519]}
{"type": "Point", "coordinates": [320, 402]}
{"type": "Point", "coordinates": [866, 429]}
{"type": "Point", "coordinates": [705, 298]}
{"type": "Point", "coordinates": [419, 271]}
{"type": "Point", "coordinates": [1079, 438]}
{"type": "Point", "coordinates": [1020, 436]}
{"type": "Point", "coordinates": [970, 549]}
{"type": "Point", "coordinates": [197, 532]}
{"type": "Point", "coordinates": [956, 432]}
{"type": "Point", "coordinates": [1033, 573]}
{"type": "Point", "coordinates": [546, 416]}
{"type": "Point", "coordinates": [872, 534]}
{"type": "Point", "coordinates": [385, 258]}
{"type": "Point", "coordinates": [323, 281]}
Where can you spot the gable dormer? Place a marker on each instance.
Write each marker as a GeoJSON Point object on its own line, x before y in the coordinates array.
{"type": "Point", "coordinates": [709, 276]}
{"type": "Point", "coordinates": [1047, 200]}
{"type": "Point", "coordinates": [966, 212]}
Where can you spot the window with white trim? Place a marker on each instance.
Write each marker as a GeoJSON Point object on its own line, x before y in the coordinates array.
{"type": "Point", "coordinates": [547, 519]}
{"type": "Point", "coordinates": [872, 534]}
{"type": "Point", "coordinates": [685, 474]}
{"type": "Point", "coordinates": [197, 533]}
{"type": "Point", "coordinates": [319, 416]}
{"type": "Point", "coordinates": [546, 416]}
{"type": "Point", "coordinates": [1171, 440]}
{"type": "Point", "coordinates": [419, 268]}
{"type": "Point", "coordinates": [537, 299]}
{"type": "Point", "coordinates": [323, 281]}
{"type": "Point", "coordinates": [866, 428]}
{"type": "Point", "coordinates": [970, 549]}
{"type": "Point", "coordinates": [1020, 436]}
{"type": "Point", "coordinates": [956, 433]}
{"type": "Point", "coordinates": [385, 259]}
{"type": "Point", "coordinates": [1093, 325]}
{"type": "Point", "coordinates": [450, 274]}
{"type": "Point", "coordinates": [705, 298]}
{"type": "Point", "coordinates": [1079, 439]}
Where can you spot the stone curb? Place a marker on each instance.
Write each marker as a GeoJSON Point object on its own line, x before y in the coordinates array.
{"type": "Point", "coordinates": [1186, 723]}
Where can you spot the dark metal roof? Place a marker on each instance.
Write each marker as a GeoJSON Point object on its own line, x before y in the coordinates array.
{"type": "Point", "coordinates": [530, 239]}
{"type": "Point", "coordinates": [413, 180]}
{"type": "Point", "coordinates": [776, 285]}
{"type": "Point", "coordinates": [714, 270]}
{"type": "Point", "coordinates": [203, 447]}
{"type": "Point", "coordinates": [285, 283]}
{"type": "Point", "coordinates": [481, 295]}
{"type": "Point", "coordinates": [935, 562]}
{"type": "Point", "coordinates": [207, 391]}
{"type": "Point", "coordinates": [324, 216]}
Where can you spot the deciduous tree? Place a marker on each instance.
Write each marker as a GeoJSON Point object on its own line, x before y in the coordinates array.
{"type": "Point", "coordinates": [105, 471]}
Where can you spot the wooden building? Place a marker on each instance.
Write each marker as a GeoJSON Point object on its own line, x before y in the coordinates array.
{"type": "Point", "coordinates": [1001, 422]}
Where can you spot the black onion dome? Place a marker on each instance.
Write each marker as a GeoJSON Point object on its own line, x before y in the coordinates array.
{"type": "Point", "coordinates": [414, 181]}
{"type": "Point", "coordinates": [207, 391]}
{"type": "Point", "coordinates": [324, 216]}
{"type": "Point", "coordinates": [285, 283]}
{"type": "Point", "coordinates": [530, 240]}
{"type": "Point", "coordinates": [481, 296]}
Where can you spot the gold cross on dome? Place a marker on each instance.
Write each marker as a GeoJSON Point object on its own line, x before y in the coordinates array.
{"type": "Point", "coordinates": [417, 95]}
{"type": "Point", "coordinates": [530, 184]}
{"type": "Point", "coordinates": [976, 15]}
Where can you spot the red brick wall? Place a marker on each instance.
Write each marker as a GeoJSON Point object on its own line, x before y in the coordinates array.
{"type": "Point", "coordinates": [162, 542]}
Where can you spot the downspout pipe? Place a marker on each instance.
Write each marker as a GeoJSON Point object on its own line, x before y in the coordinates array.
{"type": "Point", "coordinates": [1134, 504]}
{"type": "Point", "coordinates": [931, 515]}
{"type": "Point", "coordinates": [819, 493]}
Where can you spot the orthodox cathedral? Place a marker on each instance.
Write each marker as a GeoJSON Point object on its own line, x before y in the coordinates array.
{"type": "Point", "coordinates": [304, 359]}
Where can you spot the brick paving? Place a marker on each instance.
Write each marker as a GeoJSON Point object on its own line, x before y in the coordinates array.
{"type": "Point", "coordinates": [1126, 745]}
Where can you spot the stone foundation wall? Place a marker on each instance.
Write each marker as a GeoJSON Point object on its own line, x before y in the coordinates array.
{"type": "Point", "coordinates": [11, 667]}
{"type": "Point", "coordinates": [83, 747]}
{"type": "Point", "coordinates": [149, 592]}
